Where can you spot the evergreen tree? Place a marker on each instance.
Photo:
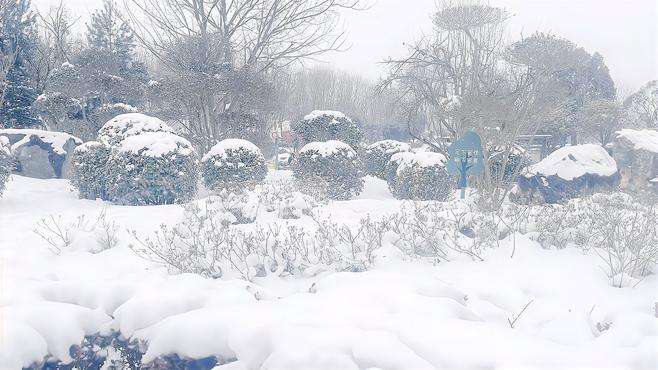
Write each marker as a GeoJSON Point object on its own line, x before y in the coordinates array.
{"type": "Point", "coordinates": [17, 47]}
{"type": "Point", "coordinates": [116, 76]}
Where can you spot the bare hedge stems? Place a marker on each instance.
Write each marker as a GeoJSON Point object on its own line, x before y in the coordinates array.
{"type": "Point", "coordinates": [621, 229]}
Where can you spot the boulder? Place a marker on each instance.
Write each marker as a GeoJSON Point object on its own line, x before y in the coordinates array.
{"type": "Point", "coordinates": [41, 154]}
{"type": "Point", "coordinates": [636, 154]}
{"type": "Point", "coordinates": [568, 172]}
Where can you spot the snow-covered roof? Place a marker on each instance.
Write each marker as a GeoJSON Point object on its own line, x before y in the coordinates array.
{"type": "Point", "coordinates": [327, 148]}
{"type": "Point", "coordinates": [641, 139]}
{"type": "Point", "coordinates": [390, 146]}
{"type": "Point", "coordinates": [220, 149]}
{"type": "Point", "coordinates": [155, 144]}
{"type": "Point", "coordinates": [571, 162]}
{"type": "Point", "coordinates": [319, 113]}
{"type": "Point", "coordinates": [55, 139]}
{"type": "Point", "coordinates": [130, 124]}
{"type": "Point", "coordinates": [422, 159]}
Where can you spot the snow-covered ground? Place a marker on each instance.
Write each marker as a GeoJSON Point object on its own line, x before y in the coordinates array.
{"type": "Point", "coordinates": [400, 314]}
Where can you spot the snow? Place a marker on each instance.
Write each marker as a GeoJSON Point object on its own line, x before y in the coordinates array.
{"type": "Point", "coordinates": [222, 148]}
{"type": "Point", "coordinates": [328, 148]}
{"type": "Point", "coordinates": [572, 162]}
{"type": "Point", "coordinates": [421, 159]}
{"type": "Point", "coordinates": [401, 314]}
{"type": "Point", "coordinates": [319, 113]}
{"type": "Point", "coordinates": [155, 144]}
{"type": "Point", "coordinates": [641, 139]}
{"type": "Point", "coordinates": [87, 145]}
{"type": "Point", "coordinates": [130, 124]}
{"type": "Point", "coordinates": [55, 139]}
{"type": "Point", "coordinates": [390, 146]}
{"type": "Point", "coordinates": [4, 146]}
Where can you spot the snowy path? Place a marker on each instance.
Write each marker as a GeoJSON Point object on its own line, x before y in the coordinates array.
{"type": "Point", "coordinates": [399, 315]}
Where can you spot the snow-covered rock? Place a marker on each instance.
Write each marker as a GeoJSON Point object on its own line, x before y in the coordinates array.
{"type": "Point", "coordinates": [130, 124]}
{"type": "Point", "coordinates": [567, 173]}
{"type": "Point", "coordinates": [41, 154]}
{"type": "Point", "coordinates": [636, 153]}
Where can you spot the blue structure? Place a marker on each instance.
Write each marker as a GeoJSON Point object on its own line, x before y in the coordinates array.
{"type": "Point", "coordinates": [466, 159]}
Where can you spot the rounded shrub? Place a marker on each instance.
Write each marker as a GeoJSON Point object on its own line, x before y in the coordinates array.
{"type": "Point", "coordinates": [152, 168]}
{"type": "Point", "coordinates": [233, 162]}
{"type": "Point", "coordinates": [332, 166]}
{"type": "Point", "coordinates": [130, 124]}
{"type": "Point", "coordinates": [324, 125]}
{"type": "Point", "coordinates": [377, 155]}
{"type": "Point", "coordinates": [391, 168]}
{"type": "Point", "coordinates": [6, 163]}
{"type": "Point", "coordinates": [89, 170]}
{"type": "Point", "coordinates": [422, 176]}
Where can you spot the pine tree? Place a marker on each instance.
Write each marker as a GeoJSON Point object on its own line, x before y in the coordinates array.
{"type": "Point", "coordinates": [109, 58]}
{"type": "Point", "coordinates": [17, 47]}
{"type": "Point", "coordinates": [110, 35]}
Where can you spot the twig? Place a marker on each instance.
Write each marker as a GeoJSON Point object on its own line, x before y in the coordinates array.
{"type": "Point", "coordinates": [513, 322]}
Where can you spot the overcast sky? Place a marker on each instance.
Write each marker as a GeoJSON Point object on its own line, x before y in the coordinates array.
{"type": "Point", "coordinates": [625, 32]}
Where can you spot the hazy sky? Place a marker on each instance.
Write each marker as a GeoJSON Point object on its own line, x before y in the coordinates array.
{"type": "Point", "coordinates": [625, 32]}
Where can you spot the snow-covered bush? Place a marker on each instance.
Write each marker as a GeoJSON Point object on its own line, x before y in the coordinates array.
{"type": "Point", "coordinates": [204, 243]}
{"type": "Point", "coordinates": [331, 165]}
{"type": "Point", "coordinates": [324, 125]}
{"type": "Point", "coordinates": [6, 163]}
{"type": "Point", "coordinates": [443, 230]}
{"type": "Point", "coordinates": [620, 228]}
{"type": "Point", "coordinates": [392, 165]}
{"type": "Point", "coordinates": [567, 173]}
{"type": "Point", "coordinates": [152, 168]}
{"type": "Point", "coordinates": [89, 174]}
{"type": "Point", "coordinates": [378, 154]}
{"type": "Point", "coordinates": [233, 163]}
{"type": "Point", "coordinates": [87, 234]}
{"type": "Point", "coordinates": [130, 124]}
{"type": "Point", "coordinates": [422, 176]}
{"type": "Point", "coordinates": [505, 164]}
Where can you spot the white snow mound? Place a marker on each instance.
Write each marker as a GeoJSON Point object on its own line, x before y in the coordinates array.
{"type": "Point", "coordinates": [571, 162]}
{"type": "Point", "coordinates": [222, 148]}
{"type": "Point", "coordinates": [131, 124]}
{"type": "Point", "coordinates": [327, 148]}
{"type": "Point", "coordinates": [422, 159]}
{"type": "Point", "coordinates": [319, 113]}
{"type": "Point", "coordinates": [155, 144]}
{"type": "Point", "coordinates": [390, 146]}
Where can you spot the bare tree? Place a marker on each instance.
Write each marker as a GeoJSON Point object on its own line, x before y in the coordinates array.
{"type": "Point", "coordinates": [218, 51]}
{"type": "Point", "coordinates": [55, 44]}
{"type": "Point", "coordinates": [461, 78]}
